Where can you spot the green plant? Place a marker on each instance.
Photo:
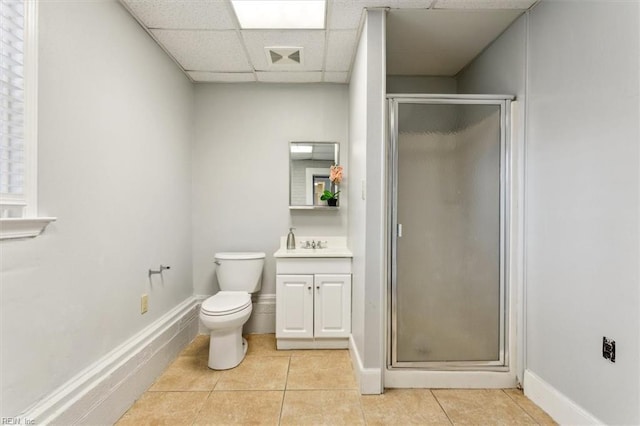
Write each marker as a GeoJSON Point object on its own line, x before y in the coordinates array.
{"type": "Point", "coordinates": [328, 195]}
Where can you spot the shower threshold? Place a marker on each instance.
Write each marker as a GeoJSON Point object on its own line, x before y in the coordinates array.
{"type": "Point", "coordinates": [420, 378]}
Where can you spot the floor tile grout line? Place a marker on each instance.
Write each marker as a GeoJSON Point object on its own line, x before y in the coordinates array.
{"type": "Point", "coordinates": [364, 417]}
{"type": "Point", "coordinates": [179, 390]}
{"type": "Point", "coordinates": [201, 407]}
{"type": "Point", "coordinates": [513, 397]}
{"type": "Point", "coordinates": [248, 390]}
{"type": "Point", "coordinates": [440, 405]}
{"type": "Point", "coordinates": [284, 393]}
{"type": "Point", "coordinates": [321, 389]}
{"type": "Point", "coordinates": [222, 374]}
{"type": "Point", "coordinates": [520, 407]}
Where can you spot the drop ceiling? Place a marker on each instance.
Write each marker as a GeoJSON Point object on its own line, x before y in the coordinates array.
{"type": "Point", "coordinates": [426, 37]}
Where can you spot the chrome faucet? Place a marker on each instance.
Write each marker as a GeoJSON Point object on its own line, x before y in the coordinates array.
{"type": "Point", "coordinates": [313, 244]}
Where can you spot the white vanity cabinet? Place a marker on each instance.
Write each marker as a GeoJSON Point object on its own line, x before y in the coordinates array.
{"type": "Point", "coordinates": [313, 303]}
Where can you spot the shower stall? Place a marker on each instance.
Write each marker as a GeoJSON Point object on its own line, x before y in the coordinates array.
{"type": "Point", "coordinates": [449, 190]}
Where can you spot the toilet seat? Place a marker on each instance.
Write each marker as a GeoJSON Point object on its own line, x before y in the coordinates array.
{"type": "Point", "coordinates": [226, 303]}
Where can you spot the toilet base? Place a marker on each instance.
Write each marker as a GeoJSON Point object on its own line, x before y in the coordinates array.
{"type": "Point", "coordinates": [227, 348]}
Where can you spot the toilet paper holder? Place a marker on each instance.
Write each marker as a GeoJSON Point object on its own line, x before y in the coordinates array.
{"type": "Point", "coordinates": [159, 271]}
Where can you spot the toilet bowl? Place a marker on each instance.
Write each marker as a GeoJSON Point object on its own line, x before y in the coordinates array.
{"type": "Point", "coordinates": [224, 314]}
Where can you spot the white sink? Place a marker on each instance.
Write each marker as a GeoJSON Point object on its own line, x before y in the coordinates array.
{"type": "Point", "coordinates": [335, 247]}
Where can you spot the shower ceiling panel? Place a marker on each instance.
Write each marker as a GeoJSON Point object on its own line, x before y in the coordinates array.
{"type": "Point", "coordinates": [441, 42]}
{"type": "Point", "coordinates": [205, 40]}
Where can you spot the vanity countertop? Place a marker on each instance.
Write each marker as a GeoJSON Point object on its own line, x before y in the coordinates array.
{"type": "Point", "coordinates": [324, 252]}
{"type": "Point", "coordinates": [336, 247]}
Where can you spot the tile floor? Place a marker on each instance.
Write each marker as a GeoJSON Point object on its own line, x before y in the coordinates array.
{"type": "Point", "coordinates": [318, 387]}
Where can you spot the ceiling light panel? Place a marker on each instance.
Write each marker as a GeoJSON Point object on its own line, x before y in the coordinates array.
{"type": "Point", "coordinates": [219, 51]}
{"type": "Point", "coordinates": [311, 41]}
{"type": "Point", "coordinates": [340, 50]}
{"type": "Point", "coordinates": [483, 4]}
{"type": "Point", "coordinates": [290, 77]}
{"type": "Point", "coordinates": [221, 77]}
{"type": "Point", "coordinates": [302, 148]}
{"type": "Point", "coordinates": [280, 14]}
{"type": "Point", "coordinates": [183, 14]}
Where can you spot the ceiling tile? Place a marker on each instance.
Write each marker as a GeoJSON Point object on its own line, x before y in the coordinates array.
{"type": "Point", "coordinates": [290, 77]}
{"type": "Point", "coordinates": [346, 14]}
{"type": "Point", "coordinates": [340, 50]}
{"type": "Point", "coordinates": [483, 4]}
{"type": "Point", "coordinates": [222, 77]}
{"type": "Point", "coordinates": [205, 50]}
{"type": "Point", "coordinates": [312, 42]}
{"type": "Point", "coordinates": [413, 4]}
{"type": "Point", "coordinates": [183, 14]}
{"type": "Point", "coordinates": [203, 37]}
{"type": "Point", "coordinates": [336, 77]}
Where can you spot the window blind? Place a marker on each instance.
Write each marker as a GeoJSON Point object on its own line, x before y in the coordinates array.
{"type": "Point", "coordinates": [12, 107]}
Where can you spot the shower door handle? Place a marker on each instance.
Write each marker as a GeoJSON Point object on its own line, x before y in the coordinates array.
{"type": "Point", "coordinates": [399, 230]}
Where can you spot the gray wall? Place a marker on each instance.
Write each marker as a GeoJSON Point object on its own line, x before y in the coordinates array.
{"type": "Point", "coordinates": [368, 194]}
{"type": "Point", "coordinates": [582, 203]}
{"type": "Point", "coordinates": [241, 169]}
{"type": "Point", "coordinates": [114, 168]}
{"type": "Point", "coordinates": [501, 69]}
{"type": "Point", "coordinates": [420, 84]}
{"type": "Point", "coordinates": [580, 60]}
{"type": "Point", "coordinates": [358, 167]}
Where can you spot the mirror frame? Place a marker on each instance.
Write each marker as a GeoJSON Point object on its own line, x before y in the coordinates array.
{"type": "Point", "coordinates": [336, 161]}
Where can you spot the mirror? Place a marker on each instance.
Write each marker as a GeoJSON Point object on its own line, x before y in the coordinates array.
{"type": "Point", "coordinates": [309, 164]}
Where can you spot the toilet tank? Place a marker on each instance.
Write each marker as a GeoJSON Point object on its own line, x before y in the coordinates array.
{"type": "Point", "coordinates": [240, 271]}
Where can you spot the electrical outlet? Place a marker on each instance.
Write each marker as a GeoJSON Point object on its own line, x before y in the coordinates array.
{"type": "Point", "coordinates": [144, 303]}
{"type": "Point", "coordinates": [609, 349]}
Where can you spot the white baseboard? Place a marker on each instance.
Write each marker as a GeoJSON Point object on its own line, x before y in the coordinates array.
{"type": "Point", "coordinates": [562, 409]}
{"type": "Point", "coordinates": [369, 379]}
{"type": "Point", "coordinates": [101, 393]}
{"type": "Point", "coordinates": [263, 317]}
{"type": "Point", "coordinates": [311, 343]}
{"type": "Point", "coordinates": [201, 298]}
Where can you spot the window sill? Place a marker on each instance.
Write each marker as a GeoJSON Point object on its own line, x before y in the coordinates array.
{"type": "Point", "coordinates": [13, 228]}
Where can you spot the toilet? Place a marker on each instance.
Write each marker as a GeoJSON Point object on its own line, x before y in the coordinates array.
{"type": "Point", "coordinates": [224, 314]}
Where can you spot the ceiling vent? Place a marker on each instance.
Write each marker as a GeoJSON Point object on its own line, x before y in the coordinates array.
{"type": "Point", "coordinates": [280, 56]}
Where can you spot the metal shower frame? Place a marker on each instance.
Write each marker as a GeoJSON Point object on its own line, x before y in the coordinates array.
{"type": "Point", "coordinates": [503, 101]}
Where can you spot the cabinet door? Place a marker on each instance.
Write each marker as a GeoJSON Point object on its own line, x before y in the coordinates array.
{"type": "Point", "coordinates": [332, 305]}
{"type": "Point", "coordinates": [294, 306]}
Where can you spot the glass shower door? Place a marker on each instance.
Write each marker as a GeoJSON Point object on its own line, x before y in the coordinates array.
{"type": "Point", "coordinates": [448, 297]}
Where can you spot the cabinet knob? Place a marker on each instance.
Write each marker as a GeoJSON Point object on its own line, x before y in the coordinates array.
{"type": "Point", "coordinates": [318, 287]}
{"type": "Point", "coordinates": [309, 287]}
